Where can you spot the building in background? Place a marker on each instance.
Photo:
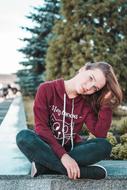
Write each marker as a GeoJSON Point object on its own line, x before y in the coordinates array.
{"type": "Point", "coordinates": [11, 79]}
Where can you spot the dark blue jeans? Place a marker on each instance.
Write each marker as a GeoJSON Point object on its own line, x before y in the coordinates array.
{"type": "Point", "coordinates": [85, 153]}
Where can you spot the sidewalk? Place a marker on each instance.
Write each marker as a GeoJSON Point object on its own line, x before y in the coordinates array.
{"type": "Point", "coordinates": [4, 105]}
{"type": "Point", "coordinates": [15, 168]}
{"type": "Point", "coordinates": [11, 157]}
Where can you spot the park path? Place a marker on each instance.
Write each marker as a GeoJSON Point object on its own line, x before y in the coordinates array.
{"type": "Point", "coordinates": [13, 121]}
{"type": "Point", "coordinates": [4, 106]}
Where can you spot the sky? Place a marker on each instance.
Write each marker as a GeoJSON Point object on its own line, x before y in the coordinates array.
{"type": "Point", "coordinates": [12, 17]}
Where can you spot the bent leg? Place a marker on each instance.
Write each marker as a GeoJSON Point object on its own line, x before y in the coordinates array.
{"type": "Point", "coordinates": [40, 152]}
{"type": "Point", "coordinates": [35, 149]}
{"type": "Point", "coordinates": [91, 151]}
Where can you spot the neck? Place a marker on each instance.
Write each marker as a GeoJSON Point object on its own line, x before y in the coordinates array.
{"type": "Point", "coordinates": [70, 88]}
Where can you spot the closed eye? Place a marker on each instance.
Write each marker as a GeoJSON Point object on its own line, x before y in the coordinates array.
{"type": "Point", "coordinates": [91, 78]}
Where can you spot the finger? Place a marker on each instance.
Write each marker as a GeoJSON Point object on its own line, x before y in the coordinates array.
{"type": "Point", "coordinates": [108, 95]}
{"type": "Point", "coordinates": [72, 173]}
{"type": "Point", "coordinates": [78, 171]}
{"type": "Point", "coordinates": [69, 173]}
{"type": "Point", "coordinates": [75, 175]}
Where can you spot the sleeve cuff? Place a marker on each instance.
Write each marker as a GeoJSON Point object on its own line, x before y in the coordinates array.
{"type": "Point", "coordinates": [60, 152]}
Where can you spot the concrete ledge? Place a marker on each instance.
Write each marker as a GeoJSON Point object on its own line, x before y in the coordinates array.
{"type": "Point", "coordinates": [59, 182]}
{"type": "Point", "coordinates": [115, 168]}
{"type": "Point", "coordinates": [11, 157]}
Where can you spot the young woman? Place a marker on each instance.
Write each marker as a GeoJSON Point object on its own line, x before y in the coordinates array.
{"type": "Point", "coordinates": [61, 107]}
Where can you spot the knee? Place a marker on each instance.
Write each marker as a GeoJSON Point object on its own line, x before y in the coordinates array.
{"type": "Point", "coordinates": [105, 146]}
{"type": "Point", "coordinates": [24, 137]}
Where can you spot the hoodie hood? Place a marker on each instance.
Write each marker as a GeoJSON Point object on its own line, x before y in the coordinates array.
{"type": "Point", "coordinates": [60, 89]}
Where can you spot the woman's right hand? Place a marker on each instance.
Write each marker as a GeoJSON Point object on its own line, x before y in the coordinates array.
{"type": "Point", "coordinates": [71, 166]}
{"type": "Point", "coordinates": [107, 98]}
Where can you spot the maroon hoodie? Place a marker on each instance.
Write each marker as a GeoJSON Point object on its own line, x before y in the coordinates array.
{"type": "Point", "coordinates": [59, 119]}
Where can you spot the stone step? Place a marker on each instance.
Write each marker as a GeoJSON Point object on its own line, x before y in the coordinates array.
{"type": "Point", "coordinates": [50, 182]}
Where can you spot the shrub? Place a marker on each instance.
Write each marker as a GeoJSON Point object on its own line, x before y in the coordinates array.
{"type": "Point", "coordinates": [123, 138]}
{"type": "Point", "coordinates": [111, 138]}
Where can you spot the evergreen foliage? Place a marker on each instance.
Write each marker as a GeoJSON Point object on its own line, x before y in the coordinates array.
{"type": "Point", "coordinates": [36, 46]}
{"type": "Point", "coordinates": [89, 31]}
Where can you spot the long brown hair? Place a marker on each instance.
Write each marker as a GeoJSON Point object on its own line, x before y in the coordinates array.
{"type": "Point", "coordinates": [112, 85]}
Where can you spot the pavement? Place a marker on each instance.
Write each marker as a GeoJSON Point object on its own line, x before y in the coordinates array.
{"type": "Point", "coordinates": [11, 157]}
{"type": "Point", "coordinates": [15, 168]}
{"type": "Point", "coordinates": [4, 106]}
{"type": "Point", "coordinates": [50, 182]}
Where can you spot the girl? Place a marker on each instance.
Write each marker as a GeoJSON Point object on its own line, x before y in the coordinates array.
{"type": "Point", "coordinates": [60, 109]}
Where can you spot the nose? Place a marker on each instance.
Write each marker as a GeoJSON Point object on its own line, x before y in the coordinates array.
{"type": "Point", "coordinates": [89, 86]}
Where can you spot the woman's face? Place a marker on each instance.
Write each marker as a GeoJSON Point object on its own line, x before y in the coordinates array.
{"type": "Point", "coordinates": [89, 81]}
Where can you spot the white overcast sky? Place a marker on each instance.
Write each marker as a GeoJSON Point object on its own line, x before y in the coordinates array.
{"type": "Point", "coordinates": [12, 16]}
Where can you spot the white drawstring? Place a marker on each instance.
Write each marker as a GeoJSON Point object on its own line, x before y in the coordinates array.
{"type": "Point", "coordinates": [72, 142]}
{"type": "Point", "coordinates": [64, 119]}
{"type": "Point", "coordinates": [72, 111]}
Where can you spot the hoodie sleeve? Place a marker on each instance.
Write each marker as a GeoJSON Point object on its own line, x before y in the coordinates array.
{"type": "Point", "coordinates": [100, 125]}
{"type": "Point", "coordinates": [41, 117]}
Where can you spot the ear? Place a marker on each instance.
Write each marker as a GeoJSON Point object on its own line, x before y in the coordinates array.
{"type": "Point", "coordinates": [82, 69]}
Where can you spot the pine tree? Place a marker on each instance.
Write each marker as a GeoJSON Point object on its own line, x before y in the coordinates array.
{"type": "Point", "coordinates": [36, 46]}
{"type": "Point", "coordinates": [89, 31]}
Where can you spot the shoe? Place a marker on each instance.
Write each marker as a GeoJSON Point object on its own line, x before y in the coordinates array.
{"type": "Point", "coordinates": [38, 169]}
{"type": "Point", "coordinates": [93, 172]}
{"type": "Point", "coordinates": [33, 170]}
{"type": "Point", "coordinates": [103, 169]}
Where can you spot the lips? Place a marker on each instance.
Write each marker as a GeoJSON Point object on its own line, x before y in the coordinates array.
{"type": "Point", "coordinates": [83, 90]}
